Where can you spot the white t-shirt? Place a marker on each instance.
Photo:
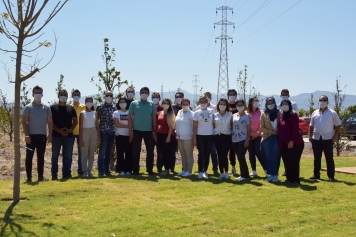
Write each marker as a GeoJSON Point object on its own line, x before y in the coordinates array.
{"type": "Point", "coordinates": [211, 106]}
{"type": "Point", "coordinates": [324, 123]}
{"type": "Point", "coordinates": [222, 123]}
{"type": "Point", "coordinates": [205, 121]}
{"type": "Point", "coordinates": [239, 127]}
{"type": "Point", "coordinates": [123, 118]}
{"type": "Point", "coordinates": [184, 125]}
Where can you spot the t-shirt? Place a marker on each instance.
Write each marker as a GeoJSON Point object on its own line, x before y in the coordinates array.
{"type": "Point", "coordinates": [176, 108]}
{"type": "Point", "coordinates": [62, 117]}
{"type": "Point", "coordinates": [105, 112]}
{"type": "Point", "coordinates": [233, 108]}
{"type": "Point", "coordinates": [123, 118]}
{"type": "Point", "coordinates": [256, 121]}
{"type": "Point", "coordinates": [211, 106]}
{"type": "Point", "coordinates": [205, 121]}
{"type": "Point", "coordinates": [37, 118]}
{"type": "Point", "coordinates": [239, 127]}
{"type": "Point", "coordinates": [162, 124]}
{"type": "Point", "coordinates": [78, 109]}
{"type": "Point", "coordinates": [184, 125]}
{"type": "Point", "coordinates": [143, 112]}
{"type": "Point", "coordinates": [324, 123]}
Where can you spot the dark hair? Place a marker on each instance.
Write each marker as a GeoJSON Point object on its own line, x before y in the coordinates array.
{"type": "Point", "coordinates": [156, 93]}
{"type": "Point", "coordinates": [121, 98]}
{"type": "Point", "coordinates": [37, 88]}
{"type": "Point", "coordinates": [285, 90]}
{"type": "Point", "coordinates": [90, 98]}
{"type": "Point", "coordinates": [240, 100]}
{"type": "Point", "coordinates": [179, 93]}
{"type": "Point", "coordinates": [76, 90]}
{"type": "Point", "coordinates": [226, 102]}
{"type": "Point", "coordinates": [231, 90]}
{"type": "Point", "coordinates": [202, 97]}
{"type": "Point", "coordinates": [130, 87]}
{"type": "Point", "coordinates": [62, 90]}
{"type": "Point", "coordinates": [207, 92]}
{"type": "Point", "coordinates": [249, 106]}
{"type": "Point", "coordinates": [185, 99]}
{"type": "Point", "coordinates": [327, 99]}
{"type": "Point", "coordinates": [145, 88]}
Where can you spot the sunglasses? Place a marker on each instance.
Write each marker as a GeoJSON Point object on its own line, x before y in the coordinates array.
{"type": "Point", "coordinates": [108, 95]}
{"type": "Point", "coordinates": [323, 101]}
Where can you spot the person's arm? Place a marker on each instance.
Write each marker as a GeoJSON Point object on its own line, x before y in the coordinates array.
{"type": "Point", "coordinates": [119, 125]}
{"type": "Point", "coordinates": [130, 122]}
{"type": "Point", "coordinates": [265, 130]}
{"type": "Point", "coordinates": [25, 128]}
{"type": "Point", "coordinates": [81, 142]}
{"type": "Point", "coordinates": [50, 128]}
{"type": "Point", "coordinates": [154, 125]}
{"type": "Point", "coordinates": [74, 124]}
{"type": "Point", "coordinates": [311, 129]}
{"type": "Point", "coordinates": [247, 141]}
{"type": "Point", "coordinates": [168, 139]}
{"type": "Point", "coordinates": [97, 127]}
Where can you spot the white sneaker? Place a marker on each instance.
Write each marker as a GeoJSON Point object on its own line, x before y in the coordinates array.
{"type": "Point", "coordinates": [200, 175]}
{"type": "Point", "coordinates": [226, 176]}
{"type": "Point", "coordinates": [269, 178]}
{"type": "Point", "coordinates": [275, 179]}
{"type": "Point", "coordinates": [181, 173]}
{"type": "Point", "coordinates": [128, 173]}
{"type": "Point", "coordinates": [205, 175]}
{"type": "Point", "coordinates": [85, 175]}
{"type": "Point", "coordinates": [222, 175]}
{"type": "Point", "coordinates": [186, 174]}
{"type": "Point", "coordinates": [253, 173]}
{"type": "Point", "coordinates": [241, 179]}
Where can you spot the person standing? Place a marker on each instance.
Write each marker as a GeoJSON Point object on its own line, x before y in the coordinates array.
{"type": "Point", "coordinates": [89, 136]}
{"type": "Point", "coordinates": [142, 124]}
{"type": "Point", "coordinates": [222, 135]}
{"type": "Point", "coordinates": [291, 142]}
{"type": "Point", "coordinates": [184, 134]}
{"type": "Point", "coordinates": [36, 116]}
{"type": "Point", "coordinates": [324, 130]}
{"type": "Point", "coordinates": [232, 95]}
{"type": "Point", "coordinates": [79, 107]}
{"type": "Point", "coordinates": [64, 121]}
{"type": "Point", "coordinates": [178, 102]}
{"type": "Point", "coordinates": [105, 113]}
{"type": "Point", "coordinates": [156, 98]}
{"type": "Point", "coordinates": [123, 143]}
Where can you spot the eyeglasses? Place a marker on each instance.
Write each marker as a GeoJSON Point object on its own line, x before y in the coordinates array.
{"type": "Point", "coordinates": [256, 101]}
{"type": "Point", "coordinates": [108, 95]}
{"type": "Point", "coordinates": [323, 101]}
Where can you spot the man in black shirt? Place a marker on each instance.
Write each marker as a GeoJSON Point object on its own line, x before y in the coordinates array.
{"type": "Point", "coordinates": [64, 121]}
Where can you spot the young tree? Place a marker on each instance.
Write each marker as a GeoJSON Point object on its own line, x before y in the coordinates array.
{"type": "Point", "coordinates": [21, 24]}
{"type": "Point", "coordinates": [311, 105]}
{"type": "Point", "coordinates": [6, 116]}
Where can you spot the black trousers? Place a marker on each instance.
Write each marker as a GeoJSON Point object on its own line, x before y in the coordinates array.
{"type": "Point", "coordinates": [232, 157]}
{"type": "Point", "coordinates": [38, 142]}
{"type": "Point", "coordinates": [318, 147]}
{"type": "Point", "coordinates": [124, 154]}
{"type": "Point", "coordinates": [137, 141]}
{"type": "Point", "coordinates": [240, 151]}
{"type": "Point", "coordinates": [222, 143]}
{"type": "Point", "coordinates": [291, 158]}
{"type": "Point", "coordinates": [167, 150]}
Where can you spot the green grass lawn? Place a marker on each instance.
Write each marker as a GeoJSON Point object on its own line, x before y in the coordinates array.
{"type": "Point", "coordinates": [173, 206]}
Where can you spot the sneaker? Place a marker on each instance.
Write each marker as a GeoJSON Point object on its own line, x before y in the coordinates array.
{"type": "Point", "coordinates": [269, 178]}
{"type": "Point", "coordinates": [253, 173]}
{"type": "Point", "coordinates": [233, 170]}
{"type": "Point", "coordinates": [226, 176]}
{"type": "Point", "coordinates": [29, 180]}
{"type": "Point", "coordinates": [315, 177]}
{"type": "Point", "coordinates": [54, 178]}
{"type": "Point", "coordinates": [102, 175]}
{"type": "Point", "coordinates": [275, 179]}
{"type": "Point", "coordinates": [90, 175]}
{"type": "Point", "coordinates": [205, 175]}
{"type": "Point", "coordinates": [240, 178]}
{"type": "Point", "coordinates": [186, 174]}
{"type": "Point", "coordinates": [200, 175]}
{"type": "Point", "coordinates": [164, 172]}
{"type": "Point", "coordinates": [85, 175]}
{"type": "Point", "coordinates": [222, 175]}
{"type": "Point", "coordinates": [40, 179]}
{"type": "Point", "coordinates": [122, 173]}
{"type": "Point", "coordinates": [181, 173]}
{"type": "Point", "coordinates": [284, 174]}
{"type": "Point", "coordinates": [128, 173]}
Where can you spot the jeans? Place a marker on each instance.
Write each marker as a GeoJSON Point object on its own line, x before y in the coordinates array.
{"type": "Point", "coordinates": [124, 154]}
{"type": "Point", "coordinates": [137, 141]}
{"type": "Point", "coordinates": [166, 149]}
{"type": "Point", "coordinates": [222, 143]}
{"type": "Point", "coordinates": [38, 142]}
{"type": "Point", "coordinates": [240, 151]}
{"type": "Point", "coordinates": [79, 170]}
{"type": "Point", "coordinates": [271, 154]}
{"type": "Point", "coordinates": [204, 143]}
{"type": "Point", "coordinates": [318, 147]}
{"type": "Point", "coordinates": [67, 145]}
{"type": "Point", "coordinates": [291, 157]}
{"type": "Point", "coordinates": [254, 150]}
{"type": "Point", "coordinates": [214, 156]}
{"type": "Point", "coordinates": [105, 150]}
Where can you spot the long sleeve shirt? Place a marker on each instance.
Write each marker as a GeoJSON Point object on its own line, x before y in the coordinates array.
{"type": "Point", "coordinates": [289, 130]}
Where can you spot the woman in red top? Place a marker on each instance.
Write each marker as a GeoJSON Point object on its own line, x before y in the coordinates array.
{"type": "Point", "coordinates": [166, 121]}
{"type": "Point", "coordinates": [290, 142]}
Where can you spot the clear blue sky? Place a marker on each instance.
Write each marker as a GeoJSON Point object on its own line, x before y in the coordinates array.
{"type": "Point", "coordinates": [168, 42]}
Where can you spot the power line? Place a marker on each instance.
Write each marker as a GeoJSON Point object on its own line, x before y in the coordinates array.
{"type": "Point", "coordinates": [255, 12]}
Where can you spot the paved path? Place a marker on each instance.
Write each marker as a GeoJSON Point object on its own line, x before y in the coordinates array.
{"type": "Point", "coordinates": [353, 142]}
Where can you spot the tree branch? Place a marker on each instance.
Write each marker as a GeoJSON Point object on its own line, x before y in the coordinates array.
{"type": "Point", "coordinates": [31, 74]}
{"type": "Point", "coordinates": [55, 49]}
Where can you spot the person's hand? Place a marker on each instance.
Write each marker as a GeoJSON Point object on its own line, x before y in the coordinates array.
{"type": "Point", "coordinates": [168, 139]}
{"type": "Point", "coordinates": [28, 140]}
{"type": "Point", "coordinates": [154, 135]}
{"type": "Point", "coordinates": [334, 139]}
{"type": "Point", "coordinates": [310, 139]}
{"type": "Point", "coordinates": [49, 138]}
{"type": "Point", "coordinates": [64, 132]}
{"type": "Point", "coordinates": [247, 141]}
{"type": "Point", "coordinates": [98, 141]}
{"type": "Point", "coordinates": [131, 136]}
{"type": "Point", "coordinates": [290, 144]}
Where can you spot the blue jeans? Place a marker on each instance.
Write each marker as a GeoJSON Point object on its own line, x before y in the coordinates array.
{"type": "Point", "coordinates": [105, 150]}
{"type": "Point", "coordinates": [204, 143]}
{"type": "Point", "coordinates": [254, 150]}
{"type": "Point", "coordinates": [271, 154]}
{"type": "Point", "coordinates": [67, 145]}
{"type": "Point", "coordinates": [79, 170]}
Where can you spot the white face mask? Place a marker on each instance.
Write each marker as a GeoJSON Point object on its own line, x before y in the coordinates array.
{"type": "Point", "coordinates": [122, 105]}
{"type": "Point", "coordinates": [203, 106]}
{"type": "Point", "coordinates": [323, 104]}
{"type": "Point", "coordinates": [270, 107]}
{"type": "Point", "coordinates": [178, 101]}
{"type": "Point", "coordinates": [130, 95]}
{"type": "Point", "coordinates": [232, 98]}
{"type": "Point", "coordinates": [222, 107]}
{"type": "Point", "coordinates": [155, 100]}
{"type": "Point", "coordinates": [63, 99]}
{"type": "Point", "coordinates": [108, 99]}
{"type": "Point", "coordinates": [185, 107]}
{"type": "Point", "coordinates": [89, 104]}
{"type": "Point", "coordinates": [256, 104]}
{"type": "Point", "coordinates": [240, 109]}
{"type": "Point", "coordinates": [285, 108]}
{"type": "Point", "coordinates": [165, 106]}
{"type": "Point", "coordinates": [285, 97]}
{"type": "Point", "coordinates": [144, 96]}
{"type": "Point", "coordinates": [37, 97]}
{"type": "Point", "coordinates": [76, 98]}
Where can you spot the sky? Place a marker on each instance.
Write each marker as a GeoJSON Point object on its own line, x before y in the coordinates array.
{"type": "Point", "coordinates": [168, 41]}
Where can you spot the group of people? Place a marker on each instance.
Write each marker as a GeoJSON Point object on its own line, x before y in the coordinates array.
{"type": "Point", "coordinates": [223, 132]}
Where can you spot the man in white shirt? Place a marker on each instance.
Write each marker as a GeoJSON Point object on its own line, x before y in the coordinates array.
{"type": "Point", "coordinates": [210, 105]}
{"type": "Point", "coordinates": [322, 136]}
{"type": "Point", "coordinates": [285, 96]}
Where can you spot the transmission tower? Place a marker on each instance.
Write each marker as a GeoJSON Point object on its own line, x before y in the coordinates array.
{"type": "Point", "coordinates": [223, 80]}
{"type": "Point", "coordinates": [195, 87]}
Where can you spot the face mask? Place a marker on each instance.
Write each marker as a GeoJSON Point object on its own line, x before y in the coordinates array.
{"type": "Point", "coordinates": [165, 106]}
{"type": "Point", "coordinates": [89, 104]}
{"type": "Point", "coordinates": [270, 107]}
{"type": "Point", "coordinates": [203, 106]}
{"type": "Point", "coordinates": [240, 109]}
{"type": "Point", "coordinates": [155, 100]}
{"type": "Point", "coordinates": [178, 101]}
{"type": "Point", "coordinates": [285, 108]}
{"type": "Point", "coordinates": [185, 107]}
{"type": "Point", "coordinates": [76, 98]}
{"type": "Point", "coordinates": [232, 98]}
{"type": "Point", "coordinates": [144, 96]}
{"type": "Point", "coordinates": [285, 97]}
{"type": "Point", "coordinates": [37, 97]}
{"type": "Point", "coordinates": [323, 104]}
{"type": "Point", "coordinates": [122, 105]}
{"type": "Point", "coordinates": [130, 95]}
{"type": "Point", "coordinates": [63, 99]}
{"type": "Point", "coordinates": [222, 107]}
{"type": "Point", "coordinates": [256, 104]}
{"type": "Point", "coordinates": [108, 99]}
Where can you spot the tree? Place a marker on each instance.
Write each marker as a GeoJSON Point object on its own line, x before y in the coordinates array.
{"type": "Point", "coordinates": [6, 116]}
{"type": "Point", "coordinates": [20, 23]}
{"type": "Point", "coordinates": [311, 105]}
{"type": "Point", "coordinates": [302, 112]}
